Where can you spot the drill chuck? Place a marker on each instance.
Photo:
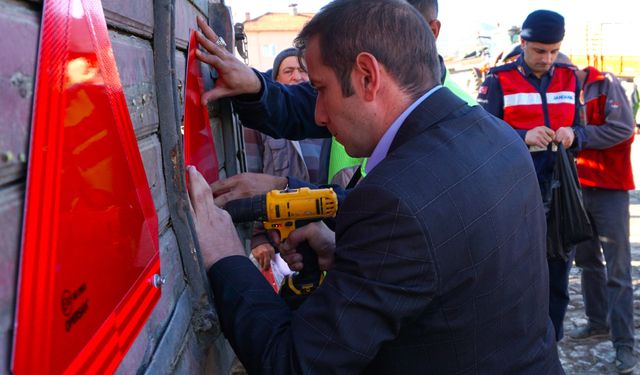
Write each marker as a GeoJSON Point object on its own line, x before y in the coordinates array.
{"type": "Point", "coordinates": [248, 209]}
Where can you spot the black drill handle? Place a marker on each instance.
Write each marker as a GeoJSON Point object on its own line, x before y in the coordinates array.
{"type": "Point", "coordinates": [309, 260]}
{"type": "Point", "coordinates": [309, 257]}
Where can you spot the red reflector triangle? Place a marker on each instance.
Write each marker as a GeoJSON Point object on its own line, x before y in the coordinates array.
{"type": "Point", "coordinates": [199, 149]}
{"type": "Point", "coordinates": [90, 234]}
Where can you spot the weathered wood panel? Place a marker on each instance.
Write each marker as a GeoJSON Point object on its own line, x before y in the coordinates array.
{"type": "Point", "coordinates": [214, 360]}
{"type": "Point", "coordinates": [134, 58]}
{"type": "Point", "coordinates": [170, 348]}
{"type": "Point", "coordinates": [181, 351]}
{"type": "Point", "coordinates": [19, 27]}
{"type": "Point", "coordinates": [133, 16]}
{"type": "Point", "coordinates": [142, 350]}
{"type": "Point", "coordinates": [181, 73]}
{"type": "Point", "coordinates": [202, 5]}
{"type": "Point", "coordinates": [181, 335]}
{"type": "Point", "coordinates": [151, 152]}
{"type": "Point", "coordinates": [186, 14]}
{"type": "Point", "coordinates": [11, 204]}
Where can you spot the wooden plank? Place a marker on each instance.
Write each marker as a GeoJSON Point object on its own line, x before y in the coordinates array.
{"type": "Point", "coordinates": [186, 14]}
{"type": "Point", "coordinates": [181, 351]}
{"type": "Point", "coordinates": [151, 152]}
{"type": "Point", "coordinates": [196, 359]}
{"type": "Point", "coordinates": [181, 72]}
{"type": "Point", "coordinates": [202, 5]}
{"type": "Point", "coordinates": [19, 27]}
{"type": "Point", "coordinates": [134, 58]}
{"type": "Point", "coordinates": [218, 137]}
{"type": "Point", "coordinates": [141, 352]}
{"type": "Point", "coordinates": [11, 205]}
{"type": "Point", "coordinates": [169, 348]}
{"type": "Point", "coordinates": [195, 304]}
{"type": "Point", "coordinates": [135, 17]}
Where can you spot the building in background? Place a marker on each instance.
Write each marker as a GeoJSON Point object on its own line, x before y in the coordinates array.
{"type": "Point", "coordinates": [270, 33]}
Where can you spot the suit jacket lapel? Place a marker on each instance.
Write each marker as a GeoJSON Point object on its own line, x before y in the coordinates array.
{"type": "Point", "coordinates": [434, 109]}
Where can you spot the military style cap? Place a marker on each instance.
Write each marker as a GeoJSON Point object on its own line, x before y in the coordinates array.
{"type": "Point", "coordinates": [543, 26]}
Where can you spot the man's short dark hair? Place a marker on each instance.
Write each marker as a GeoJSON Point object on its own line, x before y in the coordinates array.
{"type": "Point", "coordinates": [391, 30]}
{"type": "Point", "coordinates": [428, 8]}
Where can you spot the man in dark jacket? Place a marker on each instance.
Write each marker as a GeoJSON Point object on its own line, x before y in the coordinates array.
{"type": "Point", "coordinates": [437, 264]}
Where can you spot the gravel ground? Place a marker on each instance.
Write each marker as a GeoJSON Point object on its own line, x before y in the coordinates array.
{"type": "Point", "coordinates": [596, 356]}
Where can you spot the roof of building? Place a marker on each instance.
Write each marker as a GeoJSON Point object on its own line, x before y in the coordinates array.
{"type": "Point", "coordinates": [278, 22]}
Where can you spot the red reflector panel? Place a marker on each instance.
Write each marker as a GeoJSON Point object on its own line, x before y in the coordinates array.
{"type": "Point", "coordinates": [90, 235]}
{"type": "Point", "coordinates": [199, 149]}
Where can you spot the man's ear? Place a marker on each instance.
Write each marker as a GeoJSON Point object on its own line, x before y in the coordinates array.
{"type": "Point", "coordinates": [435, 28]}
{"type": "Point", "coordinates": [366, 75]}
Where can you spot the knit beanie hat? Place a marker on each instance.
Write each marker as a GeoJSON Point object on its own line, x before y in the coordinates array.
{"type": "Point", "coordinates": [543, 26]}
{"type": "Point", "coordinates": [281, 56]}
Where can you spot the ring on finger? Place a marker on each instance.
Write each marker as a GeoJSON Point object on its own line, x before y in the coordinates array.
{"type": "Point", "coordinates": [221, 43]}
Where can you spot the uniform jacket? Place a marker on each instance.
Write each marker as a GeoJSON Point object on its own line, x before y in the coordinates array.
{"type": "Point", "coordinates": [492, 98]}
{"type": "Point", "coordinates": [428, 278]}
{"type": "Point", "coordinates": [605, 161]}
{"type": "Point", "coordinates": [525, 108]}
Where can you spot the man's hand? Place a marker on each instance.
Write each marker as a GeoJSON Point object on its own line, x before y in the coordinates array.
{"type": "Point", "coordinates": [320, 238]}
{"type": "Point", "coordinates": [539, 136]}
{"type": "Point", "coordinates": [564, 135]}
{"type": "Point", "coordinates": [264, 253]}
{"type": "Point", "coordinates": [234, 77]}
{"type": "Point", "coordinates": [216, 234]}
{"type": "Point", "coordinates": [245, 185]}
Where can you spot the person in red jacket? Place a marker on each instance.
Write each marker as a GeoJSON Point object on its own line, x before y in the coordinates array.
{"type": "Point", "coordinates": [604, 170]}
{"type": "Point", "coordinates": [539, 98]}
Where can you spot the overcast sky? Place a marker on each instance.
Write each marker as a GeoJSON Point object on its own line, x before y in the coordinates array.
{"type": "Point", "coordinates": [462, 18]}
{"type": "Point", "coordinates": [461, 11]}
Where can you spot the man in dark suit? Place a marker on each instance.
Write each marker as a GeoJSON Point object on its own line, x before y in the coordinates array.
{"type": "Point", "coordinates": [437, 264]}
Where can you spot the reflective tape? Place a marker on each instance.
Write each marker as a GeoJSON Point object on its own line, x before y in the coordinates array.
{"type": "Point", "coordinates": [561, 97]}
{"type": "Point", "coordinates": [522, 99]}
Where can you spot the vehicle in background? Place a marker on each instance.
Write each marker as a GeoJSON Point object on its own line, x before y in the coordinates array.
{"type": "Point", "coordinates": [605, 46]}
{"type": "Point", "coordinates": [470, 70]}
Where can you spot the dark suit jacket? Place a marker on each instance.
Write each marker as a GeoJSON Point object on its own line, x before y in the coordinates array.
{"type": "Point", "coordinates": [440, 265]}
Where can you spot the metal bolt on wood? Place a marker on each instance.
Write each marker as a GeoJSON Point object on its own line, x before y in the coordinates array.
{"type": "Point", "coordinates": [7, 156]}
{"type": "Point", "coordinates": [158, 281]}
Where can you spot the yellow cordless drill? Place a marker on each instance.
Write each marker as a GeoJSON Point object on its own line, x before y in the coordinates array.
{"type": "Point", "coordinates": [284, 211]}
